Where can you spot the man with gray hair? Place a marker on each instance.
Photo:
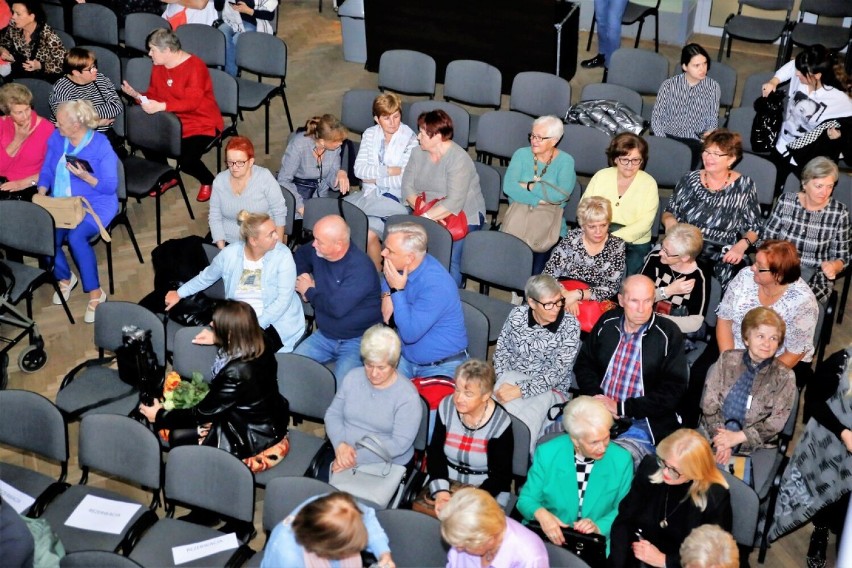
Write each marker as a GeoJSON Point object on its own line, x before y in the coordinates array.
{"type": "Point", "coordinates": [535, 354]}
{"type": "Point", "coordinates": [422, 297]}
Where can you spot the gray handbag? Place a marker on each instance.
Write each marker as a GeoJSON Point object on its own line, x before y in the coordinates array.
{"type": "Point", "coordinates": [376, 482]}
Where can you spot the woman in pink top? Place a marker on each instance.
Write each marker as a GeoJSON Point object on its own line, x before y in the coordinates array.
{"type": "Point", "coordinates": [23, 142]}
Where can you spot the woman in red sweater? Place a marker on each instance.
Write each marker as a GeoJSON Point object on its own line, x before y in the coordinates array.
{"type": "Point", "coordinates": [180, 83]}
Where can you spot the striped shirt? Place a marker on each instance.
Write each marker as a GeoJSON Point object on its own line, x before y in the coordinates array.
{"type": "Point", "coordinates": [684, 110]}
{"type": "Point", "coordinates": [101, 92]}
{"type": "Point", "coordinates": [817, 235]}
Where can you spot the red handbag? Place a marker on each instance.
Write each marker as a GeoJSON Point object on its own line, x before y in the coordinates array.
{"type": "Point", "coordinates": [455, 224]}
{"type": "Point", "coordinates": [590, 310]}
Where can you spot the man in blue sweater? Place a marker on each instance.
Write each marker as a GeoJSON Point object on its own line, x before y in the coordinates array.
{"type": "Point", "coordinates": [424, 301]}
{"type": "Point", "coordinates": [342, 285]}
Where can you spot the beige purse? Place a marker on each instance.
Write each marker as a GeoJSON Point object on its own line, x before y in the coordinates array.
{"type": "Point", "coordinates": [68, 212]}
{"type": "Point", "coordinates": [538, 226]}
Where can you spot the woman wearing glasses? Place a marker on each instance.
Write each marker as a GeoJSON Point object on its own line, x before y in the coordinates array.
{"type": "Point", "coordinates": [721, 202]}
{"type": "Point", "coordinates": [633, 194]}
{"type": "Point", "coordinates": [243, 187]}
{"type": "Point", "coordinates": [673, 492]}
{"type": "Point", "coordinates": [535, 354]}
{"type": "Point", "coordinates": [83, 81]}
{"type": "Point", "coordinates": [541, 174]}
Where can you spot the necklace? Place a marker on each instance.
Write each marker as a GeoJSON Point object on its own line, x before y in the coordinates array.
{"type": "Point", "coordinates": [537, 177]}
{"type": "Point", "coordinates": [665, 522]}
{"type": "Point", "coordinates": [705, 181]}
{"type": "Point", "coordinates": [169, 81]}
{"type": "Point", "coordinates": [481, 418]}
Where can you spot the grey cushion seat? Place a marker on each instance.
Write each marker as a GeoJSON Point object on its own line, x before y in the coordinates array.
{"type": "Point", "coordinates": [830, 36]}
{"type": "Point", "coordinates": [295, 464]}
{"type": "Point", "coordinates": [25, 480]}
{"type": "Point", "coordinates": [168, 533]}
{"type": "Point", "coordinates": [755, 29]}
{"type": "Point", "coordinates": [252, 94]}
{"type": "Point", "coordinates": [495, 310]}
{"type": "Point", "coordinates": [764, 463]}
{"type": "Point", "coordinates": [24, 277]}
{"type": "Point", "coordinates": [106, 383]}
{"type": "Point", "coordinates": [143, 175]}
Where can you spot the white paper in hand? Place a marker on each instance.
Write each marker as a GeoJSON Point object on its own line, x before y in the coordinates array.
{"type": "Point", "coordinates": [189, 552]}
{"type": "Point", "coordinates": [102, 515]}
{"type": "Point", "coordinates": [19, 500]}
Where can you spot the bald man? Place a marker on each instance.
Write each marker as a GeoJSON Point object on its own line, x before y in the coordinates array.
{"type": "Point", "coordinates": [633, 361]}
{"type": "Point", "coordinates": [341, 283]}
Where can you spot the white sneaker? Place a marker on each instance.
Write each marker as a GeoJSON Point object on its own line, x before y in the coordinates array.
{"type": "Point", "coordinates": [65, 289]}
{"type": "Point", "coordinates": [92, 306]}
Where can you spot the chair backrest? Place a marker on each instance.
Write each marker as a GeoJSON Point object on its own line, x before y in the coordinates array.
{"type": "Point", "coordinates": [656, 227]}
{"type": "Point", "coordinates": [119, 445]}
{"type": "Point", "coordinates": [753, 87]}
{"type": "Point", "coordinates": [290, 201]}
{"type": "Point", "coordinates": [226, 91]}
{"type": "Point", "coordinates": [94, 23]}
{"type": "Point", "coordinates": [137, 73]}
{"type": "Point", "coordinates": [205, 42]}
{"type": "Point", "coordinates": [308, 386]}
{"type": "Point", "coordinates": [67, 39]}
{"type": "Point", "coordinates": [55, 15]}
{"type": "Point", "coordinates": [563, 557]}
{"type": "Point", "coordinates": [497, 258]}
{"type": "Point", "coordinates": [137, 28]}
{"type": "Point", "coordinates": [440, 242]}
{"type": "Point", "coordinates": [713, 301]}
{"type": "Point", "coordinates": [490, 182]}
{"type": "Point", "coordinates": [668, 160]}
{"type": "Point", "coordinates": [406, 71]}
{"type": "Point", "coordinates": [745, 513]}
{"type": "Point", "coordinates": [108, 334]}
{"type": "Point", "coordinates": [421, 440]}
{"type": "Point", "coordinates": [263, 54]}
{"type": "Point", "coordinates": [569, 212]}
{"type": "Point", "coordinates": [41, 90]}
{"type": "Point", "coordinates": [843, 190]}
{"type": "Point", "coordinates": [215, 291]}
{"type": "Point", "coordinates": [28, 228]}
{"type": "Point", "coordinates": [108, 63]}
{"type": "Point", "coordinates": [356, 112]}
{"type": "Point", "coordinates": [473, 82]}
{"type": "Point", "coordinates": [501, 132]}
{"type": "Point", "coordinates": [521, 452]}
{"type": "Point", "coordinates": [477, 327]}
{"type": "Point", "coordinates": [769, 5]}
{"type": "Point", "coordinates": [587, 146]}
{"type": "Point", "coordinates": [609, 91]}
{"type": "Point", "coordinates": [415, 538]}
{"type": "Point", "coordinates": [207, 477]}
{"type": "Point", "coordinates": [359, 226]}
{"type": "Point", "coordinates": [638, 69]}
{"type": "Point", "coordinates": [538, 94]}
{"type": "Point", "coordinates": [740, 121]}
{"type": "Point", "coordinates": [283, 494]}
{"type": "Point", "coordinates": [459, 116]}
{"type": "Point", "coordinates": [159, 132]}
{"type": "Point", "coordinates": [189, 358]}
{"type": "Point", "coordinates": [726, 76]}
{"type": "Point", "coordinates": [763, 173]}
{"type": "Point", "coordinates": [31, 422]}
{"type": "Point", "coordinates": [827, 8]}
{"type": "Point", "coordinates": [318, 207]}
{"type": "Point", "coordinates": [794, 185]}
{"type": "Point", "coordinates": [96, 559]}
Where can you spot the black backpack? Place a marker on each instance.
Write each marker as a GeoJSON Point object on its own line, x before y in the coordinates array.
{"type": "Point", "coordinates": [137, 363]}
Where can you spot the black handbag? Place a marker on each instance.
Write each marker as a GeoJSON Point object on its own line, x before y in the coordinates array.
{"type": "Point", "coordinates": [21, 195]}
{"type": "Point", "coordinates": [767, 121]}
{"type": "Point", "coordinates": [137, 363]}
{"type": "Point", "coordinates": [590, 548]}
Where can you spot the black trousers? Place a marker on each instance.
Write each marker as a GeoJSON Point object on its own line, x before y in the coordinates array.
{"type": "Point", "coordinates": [191, 150]}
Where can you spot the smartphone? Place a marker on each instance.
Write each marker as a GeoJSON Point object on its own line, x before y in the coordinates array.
{"type": "Point", "coordinates": [79, 163]}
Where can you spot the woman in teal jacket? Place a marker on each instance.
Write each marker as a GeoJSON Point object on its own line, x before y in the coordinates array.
{"type": "Point", "coordinates": [552, 495]}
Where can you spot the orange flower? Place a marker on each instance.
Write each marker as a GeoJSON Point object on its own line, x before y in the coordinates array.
{"type": "Point", "coordinates": [172, 382]}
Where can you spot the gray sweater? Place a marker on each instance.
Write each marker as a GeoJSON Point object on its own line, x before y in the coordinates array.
{"type": "Point", "coordinates": [391, 414]}
{"type": "Point", "coordinates": [262, 194]}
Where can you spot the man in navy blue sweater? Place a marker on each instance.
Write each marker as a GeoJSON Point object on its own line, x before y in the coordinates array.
{"type": "Point", "coordinates": [342, 285]}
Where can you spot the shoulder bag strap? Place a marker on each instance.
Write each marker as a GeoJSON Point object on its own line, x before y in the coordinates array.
{"type": "Point", "coordinates": [87, 207]}
{"type": "Point", "coordinates": [373, 444]}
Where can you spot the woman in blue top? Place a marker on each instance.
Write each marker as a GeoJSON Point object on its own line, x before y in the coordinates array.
{"type": "Point", "coordinates": [259, 271]}
{"type": "Point", "coordinates": [541, 174]}
{"type": "Point", "coordinates": [95, 177]}
{"type": "Point", "coordinates": [328, 530]}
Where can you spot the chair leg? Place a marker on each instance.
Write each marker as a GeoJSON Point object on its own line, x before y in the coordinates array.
{"type": "Point", "coordinates": [109, 267]}
{"type": "Point", "coordinates": [266, 122]}
{"type": "Point", "coordinates": [185, 197]}
{"type": "Point", "coordinates": [287, 109]}
{"type": "Point", "coordinates": [844, 296]}
{"type": "Point", "coordinates": [639, 33]}
{"type": "Point", "coordinates": [657, 32]}
{"type": "Point", "coordinates": [61, 297]}
{"type": "Point", "coordinates": [591, 33]}
{"type": "Point", "coordinates": [126, 223]}
{"type": "Point", "coordinates": [721, 45]}
{"type": "Point", "coordinates": [157, 214]}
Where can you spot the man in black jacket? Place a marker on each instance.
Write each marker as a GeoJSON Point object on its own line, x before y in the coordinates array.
{"type": "Point", "coordinates": [633, 361]}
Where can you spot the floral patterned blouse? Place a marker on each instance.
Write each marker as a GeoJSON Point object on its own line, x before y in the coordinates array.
{"type": "Point", "coordinates": [603, 272]}
{"type": "Point", "coordinates": [50, 52]}
{"type": "Point", "coordinates": [797, 307]}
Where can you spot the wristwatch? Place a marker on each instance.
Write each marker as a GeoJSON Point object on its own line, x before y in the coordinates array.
{"type": "Point", "coordinates": [663, 294]}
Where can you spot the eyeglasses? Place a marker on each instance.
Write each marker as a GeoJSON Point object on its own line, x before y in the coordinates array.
{"type": "Point", "coordinates": [629, 161]}
{"type": "Point", "coordinates": [538, 138]}
{"type": "Point", "coordinates": [235, 163]}
{"type": "Point", "coordinates": [93, 67]}
{"type": "Point", "coordinates": [667, 253]}
{"type": "Point", "coordinates": [661, 463]}
{"type": "Point", "coordinates": [550, 305]}
{"type": "Point", "coordinates": [715, 154]}
{"type": "Point", "coordinates": [756, 269]}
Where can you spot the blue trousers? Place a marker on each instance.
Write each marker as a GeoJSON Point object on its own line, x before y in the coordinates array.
{"type": "Point", "coordinates": [458, 248]}
{"type": "Point", "coordinates": [608, 14]}
{"type": "Point", "coordinates": [412, 370]}
{"type": "Point", "coordinates": [82, 252]}
{"type": "Point", "coordinates": [346, 353]}
{"type": "Point", "coordinates": [231, 38]}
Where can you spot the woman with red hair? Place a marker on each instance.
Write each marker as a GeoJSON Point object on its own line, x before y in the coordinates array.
{"type": "Point", "coordinates": [244, 186]}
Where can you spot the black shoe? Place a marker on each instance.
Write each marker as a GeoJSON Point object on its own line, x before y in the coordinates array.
{"type": "Point", "coordinates": [817, 547]}
{"type": "Point", "coordinates": [597, 61]}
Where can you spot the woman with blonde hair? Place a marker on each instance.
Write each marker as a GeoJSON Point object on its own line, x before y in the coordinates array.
{"type": "Point", "coordinates": [327, 530]}
{"type": "Point", "coordinates": [23, 142]}
{"type": "Point", "coordinates": [480, 534]}
{"type": "Point", "coordinates": [311, 165]}
{"type": "Point", "coordinates": [673, 492]}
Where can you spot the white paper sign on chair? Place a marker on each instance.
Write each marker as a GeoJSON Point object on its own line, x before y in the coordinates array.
{"type": "Point", "coordinates": [19, 500]}
{"type": "Point", "coordinates": [102, 515]}
{"type": "Point", "coordinates": [188, 552]}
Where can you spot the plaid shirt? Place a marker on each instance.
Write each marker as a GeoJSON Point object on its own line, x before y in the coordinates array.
{"type": "Point", "coordinates": [623, 378]}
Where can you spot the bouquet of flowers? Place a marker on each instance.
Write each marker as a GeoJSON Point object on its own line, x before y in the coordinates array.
{"type": "Point", "coordinates": [183, 394]}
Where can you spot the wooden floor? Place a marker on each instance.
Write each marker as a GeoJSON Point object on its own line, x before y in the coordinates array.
{"type": "Point", "coordinates": [317, 79]}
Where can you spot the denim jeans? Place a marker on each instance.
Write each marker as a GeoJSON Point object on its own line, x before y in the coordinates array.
{"type": "Point", "coordinates": [231, 39]}
{"type": "Point", "coordinates": [412, 370]}
{"type": "Point", "coordinates": [458, 248]}
{"type": "Point", "coordinates": [346, 353]}
{"type": "Point", "coordinates": [608, 14]}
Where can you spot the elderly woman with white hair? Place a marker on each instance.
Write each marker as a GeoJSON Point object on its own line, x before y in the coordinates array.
{"type": "Point", "coordinates": [374, 400]}
{"type": "Point", "coordinates": [541, 174]}
{"type": "Point", "coordinates": [80, 162]}
{"type": "Point", "coordinates": [535, 354]}
{"type": "Point", "coordinates": [578, 480]}
{"type": "Point", "coordinates": [589, 254]}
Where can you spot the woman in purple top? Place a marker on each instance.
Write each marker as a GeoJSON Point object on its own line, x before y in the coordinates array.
{"type": "Point", "coordinates": [480, 534]}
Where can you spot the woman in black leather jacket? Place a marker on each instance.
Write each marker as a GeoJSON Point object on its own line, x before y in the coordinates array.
{"type": "Point", "coordinates": [243, 413]}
